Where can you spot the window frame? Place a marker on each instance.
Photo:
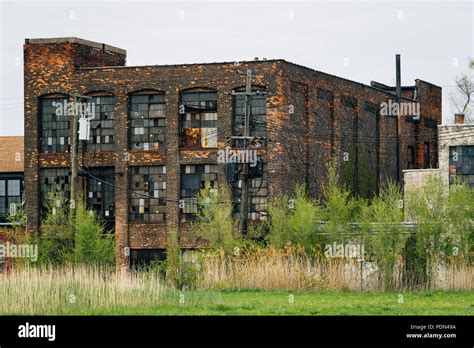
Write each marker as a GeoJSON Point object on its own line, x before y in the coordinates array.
{"type": "Point", "coordinates": [106, 174]}
{"type": "Point", "coordinates": [6, 198]}
{"type": "Point", "coordinates": [457, 173]}
{"type": "Point", "coordinates": [139, 194]}
{"type": "Point", "coordinates": [100, 124]}
{"type": "Point", "coordinates": [238, 118]}
{"type": "Point", "coordinates": [66, 185]}
{"type": "Point", "coordinates": [189, 196]}
{"type": "Point", "coordinates": [253, 213]}
{"type": "Point", "coordinates": [144, 130]}
{"type": "Point", "coordinates": [61, 124]}
{"type": "Point", "coordinates": [186, 108]}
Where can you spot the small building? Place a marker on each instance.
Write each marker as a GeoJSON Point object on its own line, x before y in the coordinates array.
{"type": "Point", "coordinates": [11, 183]}
{"type": "Point", "coordinates": [11, 175]}
{"type": "Point", "coordinates": [456, 158]}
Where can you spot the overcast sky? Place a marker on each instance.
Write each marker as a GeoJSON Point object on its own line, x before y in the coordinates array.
{"type": "Point", "coordinates": [357, 40]}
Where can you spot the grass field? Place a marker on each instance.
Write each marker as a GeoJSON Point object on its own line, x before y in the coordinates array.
{"type": "Point", "coordinates": [286, 303]}
{"type": "Point", "coordinates": [307, 303]}
{"type": "Point", "coordinates": [93, 291]}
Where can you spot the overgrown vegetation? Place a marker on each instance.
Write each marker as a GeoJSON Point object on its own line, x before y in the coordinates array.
{"type": "Point", "coordinates": [215, 222]}
{"type": "Point", "coordinates": [92, 244]}
{"type": "Point", "coordinates": [404, 256]}
{"type": "Point", "coordinates": [309, 244]}
{"type": "Point", "coordinates": [73, 235]}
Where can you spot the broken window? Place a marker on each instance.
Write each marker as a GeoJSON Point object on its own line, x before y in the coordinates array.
{"type": "Point", "coordinates": [195, 177]}
{"type": "Point", "coordinates": [145, 257]}
{"type": "Point", "coordinates": [53, 178]}
{"type": "Point", "coordinates": [258, 119]}
{"type": "Point", "coordinates": [461, 165]}
{"type": "Point", "coordinates": [11, 190]}
{"type": "Point", "coordinates": [258, 192]}
{"type": "Point", "coordinates": [198, 115]}
{"type": "Point", "coordinates": [148, 194]}
{"type": "Point", "coordinates": [54, 127]}
{"type": "Point", "coordinates": [102, 131]}
{"type": "Point", "coordinates": [100, 191]}
{"type": "Point", "coordinates": [148, 122]}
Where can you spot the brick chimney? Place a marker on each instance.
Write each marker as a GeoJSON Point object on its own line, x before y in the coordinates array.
{"type": "Point", "coordinates": [458, 118]}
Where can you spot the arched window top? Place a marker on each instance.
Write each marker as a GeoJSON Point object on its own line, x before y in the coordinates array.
{"type": "Point", "coordinates": [198, 89]}
{"type": "Point", "coordinates": [255, 88]}
{"type": "Point", "coordinates": [53, 95]}
{"type": "Point", "coordinates": [100, 93]}
{"type": "Point", "coordinates": [146, 91]}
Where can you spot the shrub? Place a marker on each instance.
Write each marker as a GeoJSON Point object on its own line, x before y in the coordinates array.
{"type": "Point", "coordinates": [444, 227]}
{"type": "Point", "coordinates": [215, 222]}
{"type": "Point", "coordinates": [56, 242]}
{"type": "Point", "coordinates": [93, 245]}
{"type": "Point", "coordinates": [340, 207]}
{"type": "Point", "coordinates": [293, 220]}
{"type": "Point", "coordinates": [382, 227]}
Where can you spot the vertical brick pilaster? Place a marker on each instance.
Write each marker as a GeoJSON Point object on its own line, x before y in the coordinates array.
{"type": "Point", "coordinates": [172, 160]}
{"type": "Point", "coordinates": [122, 177]}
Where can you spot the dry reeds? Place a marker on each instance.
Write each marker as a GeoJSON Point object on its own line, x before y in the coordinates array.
{"type": "Point", "coordinates": [291, 269]}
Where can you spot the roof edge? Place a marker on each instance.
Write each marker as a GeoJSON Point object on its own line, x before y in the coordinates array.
{"type": "Point", "coordinates": [76, 40]}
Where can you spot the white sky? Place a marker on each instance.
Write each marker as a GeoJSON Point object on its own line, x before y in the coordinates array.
{"type": "Point", "coordinates": [435, 39]}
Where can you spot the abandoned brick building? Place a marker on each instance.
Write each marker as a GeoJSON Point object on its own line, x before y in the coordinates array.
{"type": "Point", "coordinates": [144, 155]}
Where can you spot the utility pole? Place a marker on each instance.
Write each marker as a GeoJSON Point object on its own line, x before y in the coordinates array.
{"type": "Point", "coordinates": [74, 150]}
{"type": "Point", "coordinates": [244, 173]}
{"type": "Point", "coordinates": [399, 94]}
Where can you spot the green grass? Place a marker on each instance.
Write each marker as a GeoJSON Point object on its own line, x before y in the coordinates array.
{"type": "Point", "coordinates": [305, 303]}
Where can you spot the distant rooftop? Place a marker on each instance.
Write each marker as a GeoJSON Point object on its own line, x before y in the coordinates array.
{"type": "Point", "coordinates": [11, 154]}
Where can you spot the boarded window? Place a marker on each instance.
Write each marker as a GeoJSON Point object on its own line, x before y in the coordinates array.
{"type": "Point", "coordinates": [198, 115]}
{"type": "Point", "coordinates": [193, 179]}
{"type": "Point", "coordinates": [148, 194]}
{"type": "Point", "coordinates": [54, 126]}
{"type": "Point", "coordinates": [148, 122]}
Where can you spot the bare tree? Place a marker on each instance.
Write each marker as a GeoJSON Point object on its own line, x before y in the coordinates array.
{"type": "Point", "coordinates": [462, 97]}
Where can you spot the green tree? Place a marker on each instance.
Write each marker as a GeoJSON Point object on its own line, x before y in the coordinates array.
{"type": "Point", "coordinates": [215, 222]}
{"type": "Point", "coordinates": [93, 244]}
{"type": "Point", "coordinates": [294, 219]}
{"type": "Point", "coordinates": [56, 241]}
{"type": "Point", "coordinates": [383, 228]}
